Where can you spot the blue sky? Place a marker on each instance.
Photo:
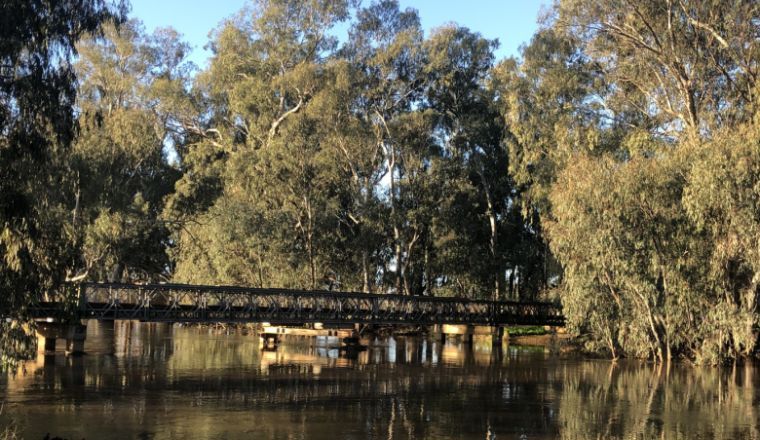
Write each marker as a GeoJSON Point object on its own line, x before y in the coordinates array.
{"type": "Point", "coordinates": [511, 21]}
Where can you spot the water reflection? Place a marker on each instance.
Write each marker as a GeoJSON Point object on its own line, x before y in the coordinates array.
{"type": "Point", "coordinates": [157, 381]}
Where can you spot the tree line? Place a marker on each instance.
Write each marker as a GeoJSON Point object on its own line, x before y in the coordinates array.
{"type": "Point", "coordinates": [613, 166]}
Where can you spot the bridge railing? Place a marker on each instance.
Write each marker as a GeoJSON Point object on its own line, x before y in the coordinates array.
{"type": "Point", "coordinates": [190, 303]}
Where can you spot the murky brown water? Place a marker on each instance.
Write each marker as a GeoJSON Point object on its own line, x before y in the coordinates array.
{"type": "Point", "coordinates": [166, 382]}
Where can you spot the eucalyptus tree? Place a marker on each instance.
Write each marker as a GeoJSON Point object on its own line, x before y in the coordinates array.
{"type": "Point", "coordinates": [273, 208]}
{"type": "Point", "coordinates": [658, 251]}
{"type": "Point", "coordinates": [722, 199]}
{"type": "Point", "coordinates": [37, 126]}
{"type": "Point", "coordinates": [653, 266]}
{"type": "Point", "coordinates": [386, 47]}
{"type": "Point", "coordinates": [543, 99]}
{"type": "Point", "coordinates": [267, 65]}
{"type": "Point", "coordinates": [420, 190]}
{"type": "Point", "coordinates": [120, 159]}
{"type": "Point", "coordinates": [622, 239]}
{"type": "Point", "coordinates": [359, 250]}
{"type": "Point", "coordinates": [471, 134]}
{"type": "Point", "coordinates": [683, 66]}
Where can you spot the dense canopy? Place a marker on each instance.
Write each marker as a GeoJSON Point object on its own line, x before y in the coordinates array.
{"type": "Point", "coordinates": [613, 167]}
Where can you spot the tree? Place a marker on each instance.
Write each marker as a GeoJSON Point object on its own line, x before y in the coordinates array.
{"type": "Point", "coordinates": [120, 159]}
{"type": "Point", "coordinates": [358, 250]}
{"type": "Point", "coordinates": [275, 202]}
{"type": "Point", "coordinates": [548, 116]}
{"type": "Point", "coordinates": [682, 66]}
{"type": "Point", "coordinates": [471, 133]}
{"type": "Point", "coordinates": [385, 45]}
{"type": "Point", "coordinates": [628, 255]}
{"type": "Point", "coordinates": [37, 127]}
{"type": "Point", "coordinates": [722, 199]}
{"type": "Point", "coordinates": [543, 99]}
{"type": "Point", "coordinates": [618, 117]}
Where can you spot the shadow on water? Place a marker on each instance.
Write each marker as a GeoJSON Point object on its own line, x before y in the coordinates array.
{"type": "Point", "coordinates": [157, 381]}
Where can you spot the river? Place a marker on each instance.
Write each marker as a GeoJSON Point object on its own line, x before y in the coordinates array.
{"type": "Point", "coordinates": [154, 381]}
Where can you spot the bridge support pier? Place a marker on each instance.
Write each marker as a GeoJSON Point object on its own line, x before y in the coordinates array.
{"type": "Point", "coordinates": [463, 331]}
{"type": "Point", "coordinates": [497, 336]}
{"type": "Point", "coordinates": [435, 332]}
{"type": "Point", "coordinates": [466, 333]}
{"type": "Point", "coordinates": [270, 339]}
{"type": "Point", "coordinates": [75, 339]}
{"type": "Point", "coordinates": [47, 342]}
{"type": "Point", "coordinates": [469, 335]}
{"type": "Point", "coordinates": [50, 332]}
{"type": "Point", "coordinates": [353, 340]}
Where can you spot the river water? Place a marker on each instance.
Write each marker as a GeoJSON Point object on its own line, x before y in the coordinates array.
{"type": "Point", "coordinates": [154, 381]}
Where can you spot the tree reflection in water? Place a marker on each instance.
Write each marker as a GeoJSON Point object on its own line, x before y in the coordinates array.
{"type": "Point", "coordinates": [631, 400]}
{"type": "Point", "coordinates": [175, 382]}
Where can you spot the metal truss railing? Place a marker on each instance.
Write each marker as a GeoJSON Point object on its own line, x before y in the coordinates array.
{"type": "Point", "coordinates": [192, 303]}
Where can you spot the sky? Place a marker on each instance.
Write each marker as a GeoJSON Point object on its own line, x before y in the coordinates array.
{"type": "Point", "coordinates": [511, 21]}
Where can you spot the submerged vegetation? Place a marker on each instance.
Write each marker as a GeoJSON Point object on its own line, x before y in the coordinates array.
{"type": "Point", "coordinates": [614, 166]}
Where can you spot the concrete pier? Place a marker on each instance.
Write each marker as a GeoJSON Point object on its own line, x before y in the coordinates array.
{"type": "Point", "coordinates": [298, 331]}
{"type": "Point", "coordinates": [497, 336]}
{"type": "Point", "coordinates": [436, 334]}
{"type": "Point", "coordinates": [48, 334]}
{"type": "Point", "coordinates": [350, 338]}
{"type": "Point", "coordinates": [440, 333]}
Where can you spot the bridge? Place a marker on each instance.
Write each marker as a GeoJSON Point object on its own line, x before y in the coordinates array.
{"type": "Point", "coordinates": [228, 304]}
{"type": "Point", "coordinates": [187, 303]}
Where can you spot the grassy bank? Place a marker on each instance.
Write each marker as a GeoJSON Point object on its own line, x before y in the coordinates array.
{"type": "Point", "coordinates": [534, 330]}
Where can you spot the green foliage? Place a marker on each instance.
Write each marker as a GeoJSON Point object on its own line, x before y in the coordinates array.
{"type": "Point", "coordinates": [631, 267]}
{"type": "Point", "coordinates": [722, 199]}
{"type": "Point", "coordinates": [526, 331]}
{"type": "Point", "coordinates": [652, 212]}
{"type": "Point", "coordinates": [617, 160]}
{"type": "Point", "coordinates": [37, 126]}
{"type": "Point", "coordinates": [541, 99]}
{"type": "Point", "coordinates": [120, 169]}
{"type": "Point", "coordinates": [674, 66]}
{"type": "Point", "coordinates": [659, 250]}
{"type": "Point", "coordinates": [379, 165]}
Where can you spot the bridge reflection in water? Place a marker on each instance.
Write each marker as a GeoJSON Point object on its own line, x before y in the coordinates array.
{"type": "Point", "coordinates": [187, 382]}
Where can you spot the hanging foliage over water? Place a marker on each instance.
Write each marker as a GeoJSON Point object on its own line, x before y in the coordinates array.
{"type": "Point", "coordinates": [37, 128]}
{"type": "Point", "coordinates": [644, 168]}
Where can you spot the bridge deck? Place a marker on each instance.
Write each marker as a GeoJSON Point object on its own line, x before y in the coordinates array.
{"type": "Point", "coordinates": [192, 303]}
